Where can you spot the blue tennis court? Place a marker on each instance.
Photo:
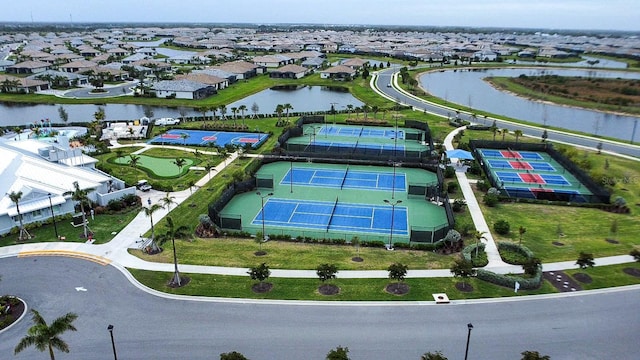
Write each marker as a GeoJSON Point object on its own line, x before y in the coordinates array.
{"type": "Point", "coordinates": [510, 154]}
{"type": "Point", "coordinates": [351, 179]}
{"type": "Point", "coordinates": [334, 130]}
{"type": "Point", "coordinates": [357, 145]}
{"type": "Point", "coordinates": [205, 138]}
{"type": "Point", "coordinates": [327, 216]}
{"type": "Point", "coordinates": [523, 165]}
{"type": "Point", "coordinates": [548, 179]}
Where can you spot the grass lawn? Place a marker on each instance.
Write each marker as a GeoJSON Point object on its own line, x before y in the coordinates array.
{"type": "Point", "coordinates": [306, 289]}
{"type": "Point", "coordinates": [607, 276]}
{"type": "Point", "coordinates": [103, 226]}
{"type": "Point", "coordinates": [287, 255]}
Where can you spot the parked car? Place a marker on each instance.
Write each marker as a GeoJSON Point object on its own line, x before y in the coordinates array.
{"type": "Point", "coordinates": [143, 185]}
{"type": "Point", "coordinates": [167, 121]}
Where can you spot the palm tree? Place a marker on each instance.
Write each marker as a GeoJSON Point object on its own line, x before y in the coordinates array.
{"type": "Point", "coordinates": [279, 110]}
{"type": "Point", "coordinates": [172, 233]}
{"type": "Point", "coordinates": [504, 131]}
{"type": "Point", "coordinates": [479, 235]}
{"type": "Point", "coordinates": [517, 134]}
{"type": "Point", "coordinates": [184, 137]}
{"type": "Point", "coordinates": [81, 196]}
{"type": "Point", "coordinates": [133, 160]}
{"type": "Point", "coordinates": [168, 200]}
{"type": "Point", "coordinates": [255, 109]}
{"type": "Point", "coordinates": [203, 110]}
{"type": "Point", "coordinates": [242, 109]}
{"type": "Point", "coordinates": [223, 111]}
{"type": "Point", "coordinates": [148, 211]}
{"type": "Point", "coordinates": [521, 231]}
{"type": "Point", "coordinates": [349, 108]}
{"type": "Point", "coordinates": [234, 110]}
{"type": "Point", "coordinates": [209, 166]}
{"type": "Point", "coordinates": [44, 336]}
{"type": "Point", "coordinates": [15, 197]}
{"type": "Point", "coordinates": [286, 107]}
{"type": "Point", "coordinates": [180, 162]}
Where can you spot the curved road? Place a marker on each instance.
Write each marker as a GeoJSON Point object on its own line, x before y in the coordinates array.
{"type": "Point", "coordinates": [582, 326]}
{"type": "Point", "coordinates": [386, 77]}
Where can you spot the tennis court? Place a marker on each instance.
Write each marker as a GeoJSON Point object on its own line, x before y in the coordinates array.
{"type": "Point", "coordinates": [325, 215]}
{"type": "Point", "coordinates": [533, 175]}
{"type": "Point", "coordinates": [205, 138]}
{"type": "Point", "coordinates": [337, 145]}
{"type": "Point", "coordinates": [360, 131]}
{"type": "Point", "coordinates": [349, 179]}
{"type": "Point", "coordinates": [300, 200]}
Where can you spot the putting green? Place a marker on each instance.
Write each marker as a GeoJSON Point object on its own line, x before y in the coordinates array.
{"type": "Point", "coordinates": [161, 167]}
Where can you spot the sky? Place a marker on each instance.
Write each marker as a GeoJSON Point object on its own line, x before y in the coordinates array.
{"type": "Point", "coordinates": [538, 14]}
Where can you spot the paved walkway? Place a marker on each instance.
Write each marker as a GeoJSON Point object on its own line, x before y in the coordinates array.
{"type": "Point", "coordinates": [116, 250]}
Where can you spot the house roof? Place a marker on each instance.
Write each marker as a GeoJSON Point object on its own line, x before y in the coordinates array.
{"type": "Point", "coordinates": [202, 78]}
{"type": "Point", "coordinates": [340, 69]}
{"type": "Point", "coordinates": [30, 174]}
{"type": "Point", "coordinates": [291, 68]}
{"type": "Point", "coordinates": [182, 85]}
{"type": "Point", "coordinates": [30, 65]}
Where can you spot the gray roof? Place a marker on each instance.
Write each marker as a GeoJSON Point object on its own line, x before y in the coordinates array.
{"type": "Point", "coordinates": [179, 85]}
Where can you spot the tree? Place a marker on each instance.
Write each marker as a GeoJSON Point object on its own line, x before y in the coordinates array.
{"type": "Point", "coordinates": [397, 271]}
{"type": "Point", "coordinates": [184, 137]}
{"type": "Point", "coordinates": [168, 200]}
{"type": "Point", "coordinates": [134, 160]}
{"type": "Point", "coordinates": [242, 109]}
{"type": "Point", "coordinates": [15, 197]}
{"type": "Point", "coordinates": [44, 336]}
{"type": "Point", "coordinates": [209, 166]}
{"type": "Point", "coordinates": [119, 153]}
{"type": "Point", "coordinates": [148, 211]}
{"type": "Point", "coordinates": [172, 233]}
{"type": "Point", "coordinates": [234, 355]}
{"type": "Point", "coordinates": [223, 111]}
{"type": "Point", "coordinates": [479, 236]}
{"type": "Point", "coordinates": [259, 273]}
{"type": "Point", "coordinates": [203, 110]}
{"type": "Point", "coordinates": [326, 272]}
{"type": "Point", "coordinates": [521, 231]}
{"type": "Point", "coordinates": [599, 147]}
{"type": "Point", "coordinates": [585, 260]}
{"type": "Point", "coordinates": [339, 353]}
{"type": "Point", "coordinates": [234, 111]}
{"type": "Point", "coordinates": [433, 356]}
{"type": "Point", "coordinates": [99, 115]}
{"type": "Point", "coordinates": [355, 241]}
{"type": "Point", "coordinates": [255, 109]}
{"type": "Point", "coordinates": [64, 116]}
{"type": "Point", "coordinates": [279, 110]}
{"type": "Point", "coordinates": [286, 107]}
{"type": "Point", "coordinates": [504, 133]}
{"type": "Point", "coordinates": [534, 355]}
{"type": "Point", "coordinates": [531, 266]}
{"type": "Point", "coordinates": [180, 163]}
{"type": "Point", "coordinates": [545, 135]}
{"type": "Point", "coordinates": [463, 268]}
{"type": "Point", "coordinates": [636, 254]}
{"type": "Point", "coordinates": [81, 196]}
{"type": "Point", "coordinates": [517, 134]}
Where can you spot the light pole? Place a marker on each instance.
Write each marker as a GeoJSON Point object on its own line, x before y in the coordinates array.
{"type": "Point", "coordinates": [53, 216]}
{"type": "Point", "coordinates": [113, 344]}
{"type": "Point", "coordinates": [262, 197]}
{"type": "Point", "coordinates": [466, 351]}
{"type": "Point", "coordinates": [393, 210]}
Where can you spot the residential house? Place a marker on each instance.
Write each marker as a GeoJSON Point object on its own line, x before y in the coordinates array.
{"type": "Point", "coordinates": [313, 63]}
{"type": "Point", "coordinates": [28, 67]}
{"type": "Point", "coordinates": [182, 89]}
{"type": "Point", "coordinates": [61, 78]}
{"type": "Point", "coordinates": [6, 63]}
{"type": "Point", "coordinates": [217, 82]}
{"type": "Point", "coordinates": [77, 66]}
{"type": "Point", "coordinates": [291, 71]}
{"type": "Point", "coordinates": [272, 61]}
{"type": "Point", "coordinates": [242, 69]}
{"type": "Point", "coordinates": [230, 77]}
{"type": "Point", "coordinates": [10, 83]}
{"type": "Point", "coordinates": [339, 72]}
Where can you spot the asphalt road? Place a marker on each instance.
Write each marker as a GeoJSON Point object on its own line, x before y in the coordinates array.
{"type": "Point", "coordinates": [384, 78]}
{"type": "Point", "coordinates": [587, 326]}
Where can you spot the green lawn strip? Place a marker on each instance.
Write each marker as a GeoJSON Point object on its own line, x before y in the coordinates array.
{"type": "Point", "coordinates": [607, 276]}
{"type": "Point", "coordinates": [102, 226]}
{"type": "Point", "coordinates": [507, 83]}
{"type": "Point", "coordinates": [306, 289]}
{"type": "Point", "coordinates": [287, 255]}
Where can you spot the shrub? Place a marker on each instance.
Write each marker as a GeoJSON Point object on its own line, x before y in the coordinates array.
{"type": "Point", "coordinates": [636, 254]}
{"type": "Point", "coordinates": [452, 187]}
{"type": "Point", "coordinates": [502, 227]}
{"type": "Point", "coordinates": [513, 253]}
{"type": "Point", "coordinates": [449, 172]}
{"type": "Point", "coordinates": [458, 204]}
{"type": "Point", "coordinates": [490, 200]}
{"type": "Point", "coordinates": [510, 280]}
{"type": "Point", "coordinates": [482, 185]}
{"type": "Point", "coordinates": [115, 205]}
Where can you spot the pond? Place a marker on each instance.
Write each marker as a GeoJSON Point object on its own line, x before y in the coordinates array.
{"type": "Point", "coordinates": [468, 88]}
{"type": "Point", "coordinates": [303, 99]}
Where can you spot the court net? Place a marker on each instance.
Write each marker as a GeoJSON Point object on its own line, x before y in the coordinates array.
{"type": "Point", "coordinates": [333, 211]}
{"type": "Point", "coordinates": [344, 178]}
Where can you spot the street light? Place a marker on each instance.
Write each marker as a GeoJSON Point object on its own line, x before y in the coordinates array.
{"type": "Point", "coordinates": [113, 344]}
{"type": "Point", "coordinates": [262, 197]}
{"type": "Point", "coordinates": [393, 210]}
{"type": "Point", "coordinates": [53, 216]}
{"type": "Point", "coordinates": [466, 352]}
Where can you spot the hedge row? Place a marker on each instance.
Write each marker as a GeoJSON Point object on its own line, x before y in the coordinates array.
{"type": "Point", "coordinates": [510, 280]}
{"type": "Point", "coordinates": [513, 247]}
